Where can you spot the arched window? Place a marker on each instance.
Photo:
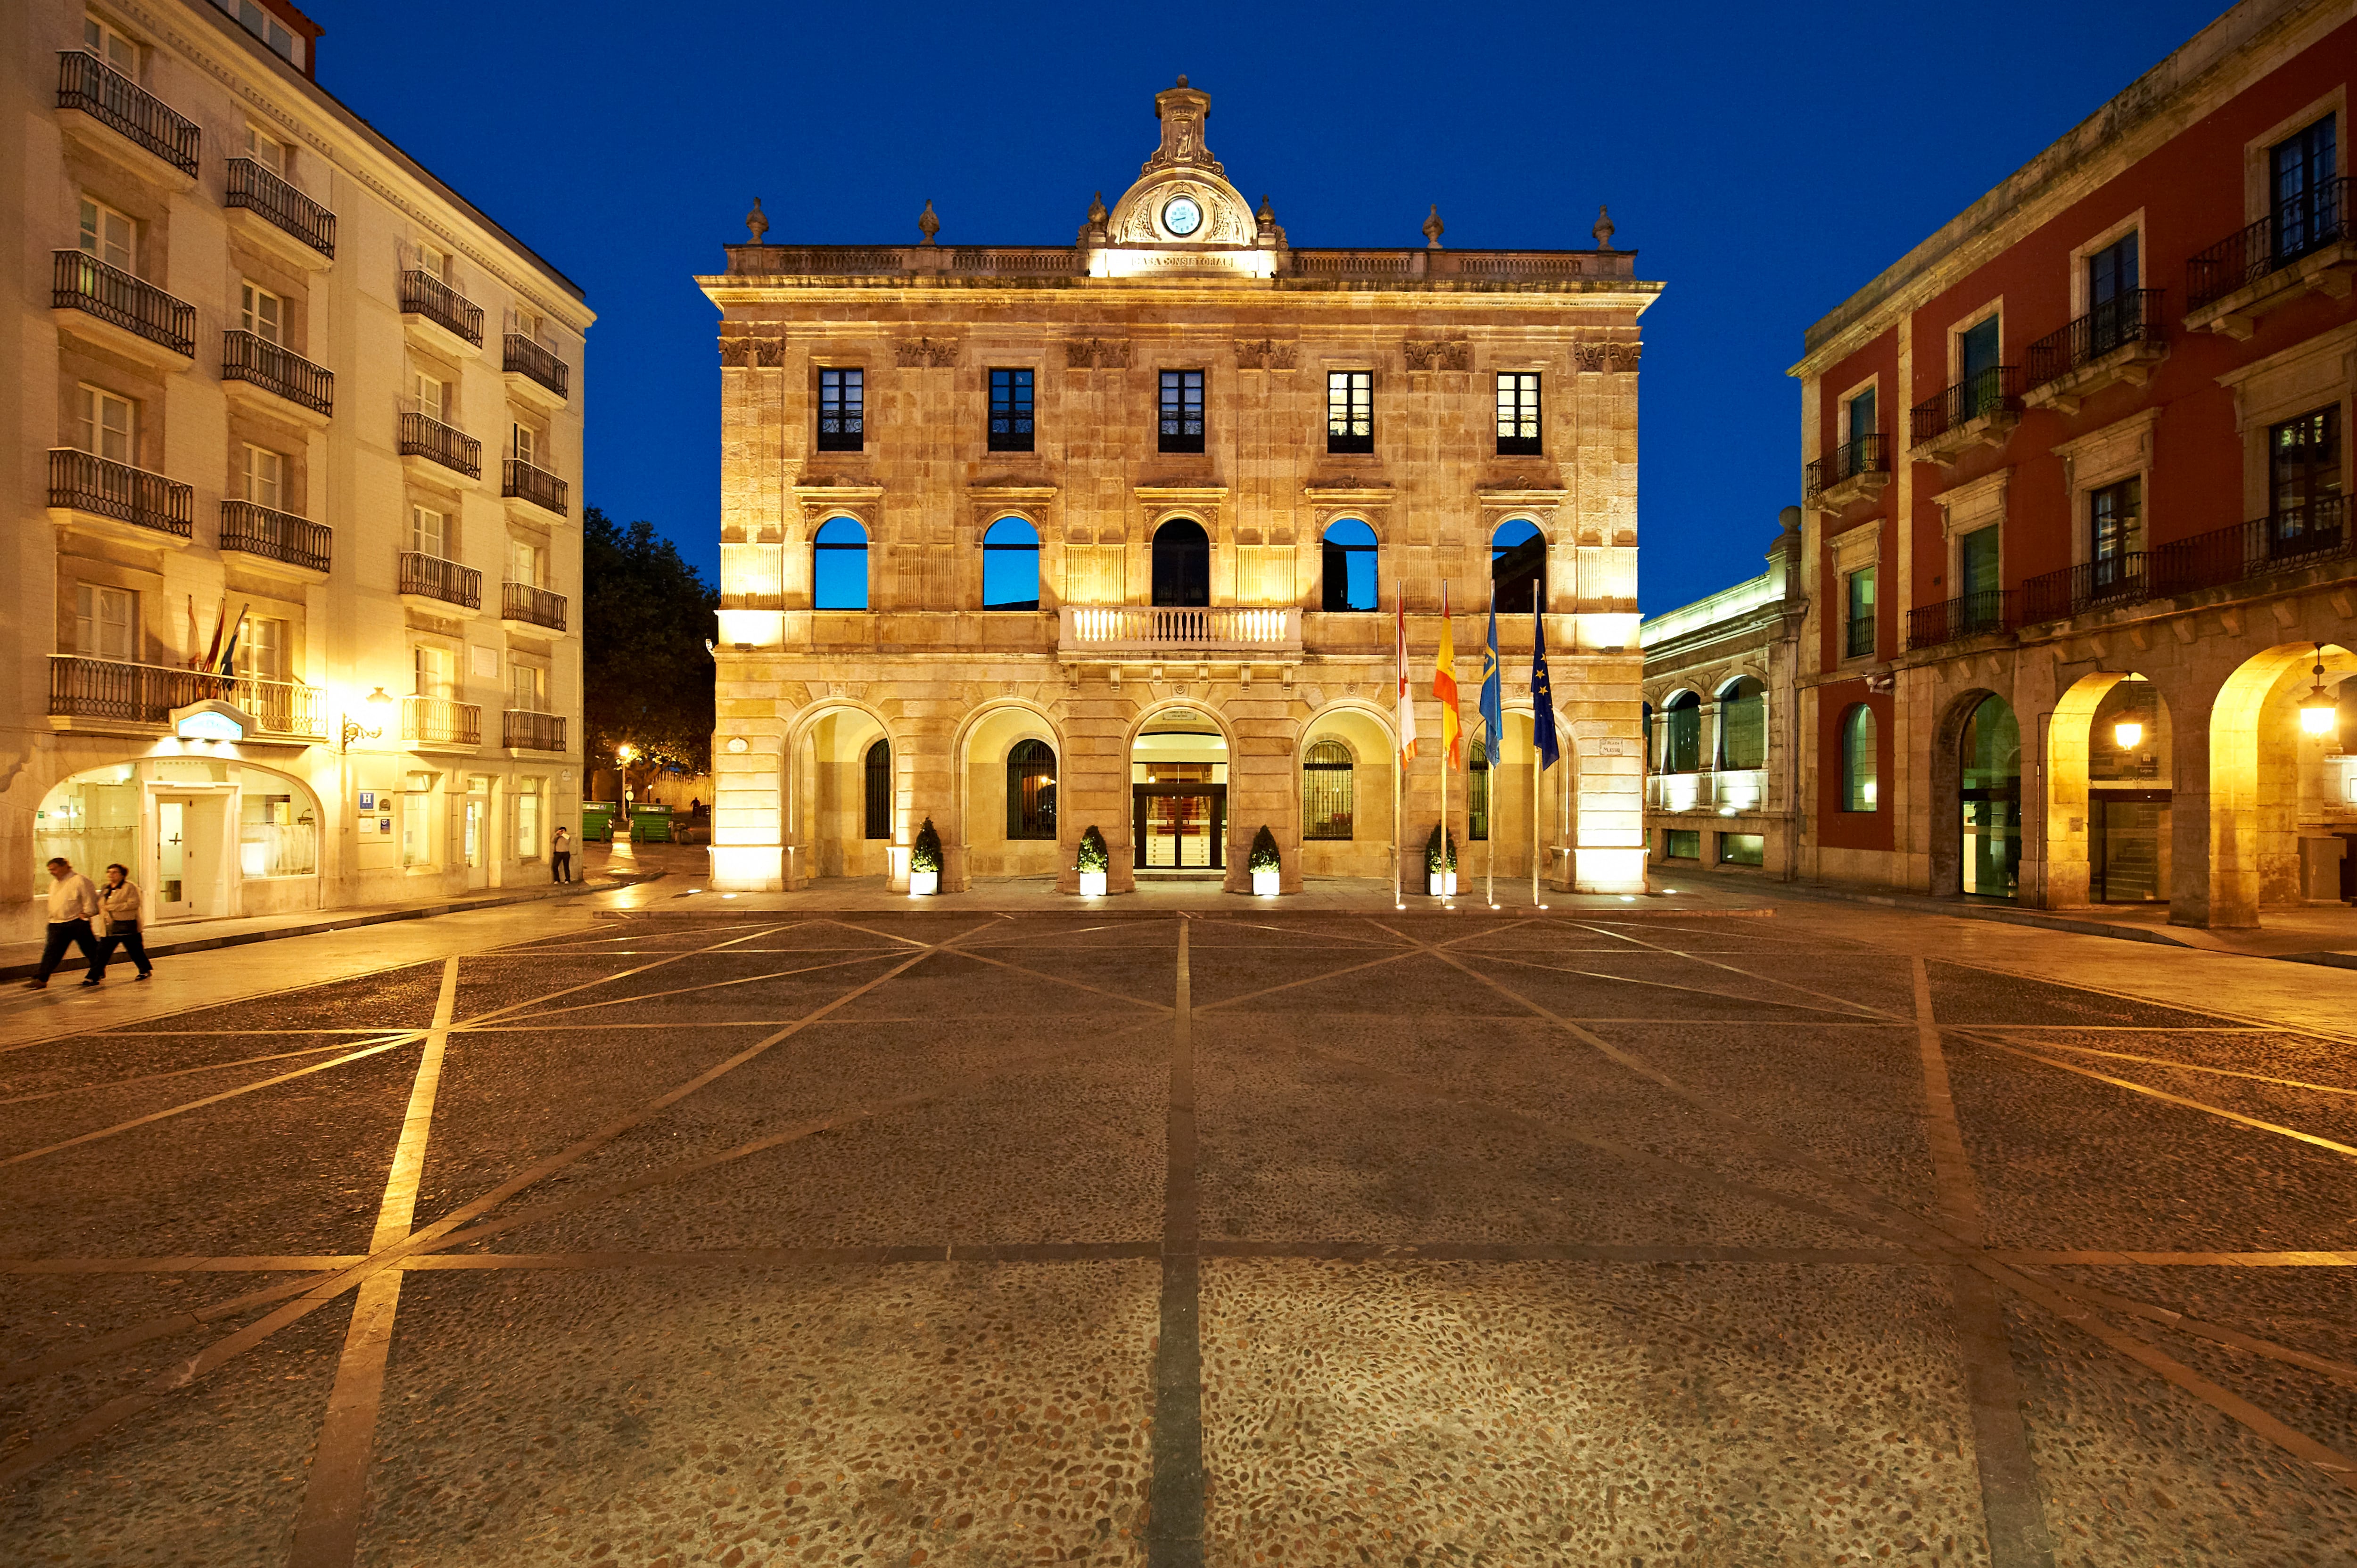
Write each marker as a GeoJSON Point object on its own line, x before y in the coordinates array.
{"type": "Point", "coordinates": [1182, 563]}
{"type": "Point", "coordinates": [1350, 566]}
{"type": "Point", "coordinates": [878, 770]}
{"type": "Point", "coordinates": [1858, 776]}
{"type": "Point", "coordinates": [1010, 565]}
{"type": "Point", "coordinates": [1681, 734]}
{"type": "Point", "coordinates": [1477, 792]}
{"type": "Point", "coordinates": [1327, 794]}
{"type": "Point", "coordinates": [1032, 790]}
{"type": "Point", "coordinates": [1743, 724]}
{"type": "Point", "coordinates": [1517, 563]}
{"type": "Point", "coordinates": [839, 565]}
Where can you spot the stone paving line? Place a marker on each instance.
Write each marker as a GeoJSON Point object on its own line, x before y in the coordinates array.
{"type": "Point", "coordinates": [1174, 1520]}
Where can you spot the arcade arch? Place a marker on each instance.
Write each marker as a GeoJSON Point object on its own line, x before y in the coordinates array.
{"type": "Point", "coordinates": [828, 793]}
{"type": "Point", "coordinates": [1010, 762]}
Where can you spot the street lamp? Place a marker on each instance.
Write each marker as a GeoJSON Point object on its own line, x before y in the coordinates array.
{"type": "Point", "coordinates": [2317, 711]}
{"type": "Point", "coordinates": [353, 730]}
{"type": "Point", "coordinates": [2128, 731]}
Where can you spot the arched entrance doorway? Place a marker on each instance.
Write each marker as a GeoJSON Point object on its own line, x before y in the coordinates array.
{"type": "Point", "coordinates": [844, 798]}
{"type": "Point", "coordinates": [1182, 563]}
{"type": "Point", "coordinates": [2128, 796]}
{"type": "Point", "coordinates": [1990, 760]}
{"type": "Point", "coordinates": [1178, 793]}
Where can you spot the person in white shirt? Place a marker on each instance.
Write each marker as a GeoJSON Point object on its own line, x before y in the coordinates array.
{"type": "Point", "coordinates": [72, 901]}
{"type": "Point", "coordinates": [119, 900]}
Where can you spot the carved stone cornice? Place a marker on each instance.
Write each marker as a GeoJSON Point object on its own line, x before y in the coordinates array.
{"type": "Point", "coordinates": [1097, 353]}
{"type": "Point", "coordinates": [1596, 358]}
{"type": "Point", "coordinates": [1439, 356]}
{"type": "Point", "coordinates": [1266, 354]}
{"type": "Point", "coordinates": [925, 353]}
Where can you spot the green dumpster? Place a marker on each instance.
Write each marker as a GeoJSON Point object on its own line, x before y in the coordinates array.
{"type": "Point", "coordinates": [651, 824]}
{"type": "Point", "coordinates": [597, 821]}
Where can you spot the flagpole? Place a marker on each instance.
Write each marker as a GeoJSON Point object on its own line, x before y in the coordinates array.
{"type": "Point", "coordinates": [1490, 841]}
{"type": "Point", "coordinates": [1443, 762]}
{"type": "Point", "coordinates": [1538, 772]}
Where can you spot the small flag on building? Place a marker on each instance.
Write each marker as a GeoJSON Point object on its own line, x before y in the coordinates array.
{"type": "Point", "coordinates": [1407, 701]}
{"type": "Point", "coordinates": [1542, 697]}
{"type": "Point", "coordinates": [1444, 686]}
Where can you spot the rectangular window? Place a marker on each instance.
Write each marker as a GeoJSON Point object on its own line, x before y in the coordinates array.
{"type": "Point", "coordinates": [530, 445]}
{"type": "Point", "coordinates": [1978, 351]}
{"type": "Point", "coordinates": [1010, 411]}
{"type": "Point", "coordinates": [2304, 208]}
{"type": "Point", "coordinates": [106, 622]}
{"type": "Point", "coordinates": [1977, 563]}
{"type": "Point", "coordinates": [261, 653]}
{"type": "Point", "coordinates": [101, 39]}
{"type": "Point", "coordinates": [1863, 423]}
{"type": "Point", "coordinates": [1477, 796]}
{"type": "Point", "coordinates": [261, 312]}
{"type": "Point", "coordinates": [266, 150]}
{"type": "Point", "coordinates": [1518, 414]}
{"type": "Point", "coordinates": [527, 687]}
{"type": "Point", "coordinates": [265, 478]}
{"type": "Point", "coordinates": [2303, 463]}
{"type": "Point", "coordinates": [432, 394]}
{"type": "Point", "coordinates": [527, 819]}
{"type": "Point", "coordinates": [417, 825]}
{"type": "Point", "coordinates": [1860, 632]}
{"type": "Point", "coordinates": [2113, 521]}
{"type": "Point", "coordinates": [1682, 844]}
{"type": "Point", "coordinates": [437, 672]}
{"type": "Point", "coordinates": [107, 234]}
{"type": "Point", "coordinates": [2114, 315]}
{"type": "Point", "coordinates": [432, 260]}
{"type": "Point", "coordinates": [429, 532]}
{"type": "Point", "coordinates": [1182, 411]}
{"type": "Point", "coordinates": [1742, 849]}
{"type": "Point", "coordinates": [1349, 410]}
{"type": "Point", "coordinates": [842, 410]}
{"type": "Point", "coordinates": [108, 425]}
{"type": "Point", "coordinates": [527, 564]}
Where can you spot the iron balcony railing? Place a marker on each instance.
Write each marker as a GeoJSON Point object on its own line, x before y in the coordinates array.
{"type": "Point", "coordinates": [89, 483]}
{"type": "Point", "coordinates": [2133, 316]}
{"type": "Point", "coordinates": [538, 486]}
{"type": "Point", "coordinates": [2318, 533]}
{"type": "Point", "coordinates": [146, 693]}
{"type": "Point", "coordinates": [2298, 227]}
{"type": "Point", "coordinates": [1997, 390]}
{"type": "Point", "coordinates": [2101, 584]}
{"type": "Point", "coordinates": [1863, 454]}
{"type": "Point", "coordinates": [527, 357]}
{"type": "Point", "coordinates": [533, 607]}
{"type": "Point", "coordinates": [78, 281]}
{"type": "Point", "coordinates": [423, 294]}
{"type": "Point", "coordinates": [258, 190]}
{"type": "Point", "coordinates": [439, 720]}
{"type": "Point", "coordinates": [251, 358]}
{"type": "Point", "coordinates": [436, 578]}
{"type": "Point", "coordinates": [522, 730]}
{"type": "Point", "coordinates": [423, 436]}
{"type": "Point", "coordinates": [97, 89]}
{"type": "Point", "coordinates": [254, 529]}
{"type": "Point", "coordinates": [1966, 615]}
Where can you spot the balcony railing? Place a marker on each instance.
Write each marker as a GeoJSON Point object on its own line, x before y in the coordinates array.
{"type": "Point", "coordinates": [423, 436]}
{"type": "Point", "coordinates": [97, 89]}
{"type": "Point", "coordinates": [538, 486]}
{"type": "Point", "coordinates": [1110, 628]}
{"type": "Point", "coordinates": [2101, 584]}
{"type": "Point", "coordinates": [1866, 455]}
{"type": "Point", "coordinates": [248, 357]}
{"type": "Point", "coordinates": [146, 694]}
{"type": "Point", "coordinates": [423, 294]}
{"type": "Point", "coordinates": [88, 483]}
{"type": "Point", "coordinates": [526, 357]}
{"type": "Point", "coordinates": [1997, 390]}
{"type": "Point", "coordinates": [436, 578]}
{"type": "Point", "coordinates": [2300, 227]}
{"type": "Point", "coordinates": [440, 721]}
{"type": "Point", "coordinates": [533, 607]}
{"type": "Point", "coordinates": [521, 730]}
{"type": "Point", "coordinates": [258, 190]}
{"type": "Point", "coordinates": [2317, 534]}
{"type": "Point", "coordinates": [254, 529]}
{"type": "Point", "coordinates": [1966, 615]}
{"type": "Point", "coordinates": [78, 281]}
{"type": "Point", "coordinates": [2133, 316]}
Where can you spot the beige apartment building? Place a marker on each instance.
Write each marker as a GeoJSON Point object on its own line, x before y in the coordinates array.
{"type": "Point", "coordinates": [1023, 539]}
{"type": "Point", "coordinates": [293, 435]}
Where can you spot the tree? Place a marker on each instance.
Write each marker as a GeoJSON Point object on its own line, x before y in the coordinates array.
{"type": "Point", "coordinates": [645, 617]}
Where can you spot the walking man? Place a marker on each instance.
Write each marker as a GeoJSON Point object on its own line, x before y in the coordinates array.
{"type": "Point", "coordinates": [560, 857]}
{"type": "Point", "coordinates": [119, 899]}
{"type": "Point", "coordinates": [72, 901]}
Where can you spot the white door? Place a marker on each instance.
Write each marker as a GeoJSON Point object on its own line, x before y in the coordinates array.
{"type": "Point", "coordinates": [478, 821]}
{"type": "Point", "coordinates": [173, 894]}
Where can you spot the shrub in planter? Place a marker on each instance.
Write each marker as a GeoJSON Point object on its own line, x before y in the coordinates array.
{"type": "Point", "coordinates": [1093, 863]}
{"type": "Point", "coordinates": [1268, 865]}
{"type": "Point", "coordinates": [1440, 862]}
{"type": "Point", "coordinates": [925, 861]}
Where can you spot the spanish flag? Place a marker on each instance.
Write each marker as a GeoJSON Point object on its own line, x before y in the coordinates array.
{"type": "Point", "coordinates": [1444, 686]}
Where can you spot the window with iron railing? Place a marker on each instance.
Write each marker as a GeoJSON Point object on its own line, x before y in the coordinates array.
{"type": "Point", "coordinates": [1327, 791]}
{"type": "Point", "coordinates": [1349, 410]}
{"type": "Point", "coordinates": [1858, 636]}
{"type": "Point", "coordinates": [877, 769]}
{"type": "Point", "coordinates": [1518, 414]}
{"type": "Point", "coordinates": [1032, 790]}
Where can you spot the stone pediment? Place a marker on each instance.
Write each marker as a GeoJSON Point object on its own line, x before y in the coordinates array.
{"type": "Point", "coordinates": [1182, 214]}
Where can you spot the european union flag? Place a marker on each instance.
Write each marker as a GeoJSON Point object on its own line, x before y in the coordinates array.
{"type": "Point", "coordinates": [1493, 696]}
{"type": "Point", "coordinates": [1542, 697]}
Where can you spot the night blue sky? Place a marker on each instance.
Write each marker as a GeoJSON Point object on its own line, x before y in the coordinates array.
{"type": "Point", "coordinates": [1765, 160]}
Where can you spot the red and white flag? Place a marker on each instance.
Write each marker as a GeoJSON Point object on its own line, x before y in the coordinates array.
{"type": "Point", "coordinates": [1407, 701]}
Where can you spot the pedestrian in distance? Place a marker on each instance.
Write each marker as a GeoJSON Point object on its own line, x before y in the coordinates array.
{"type": "Point", "coordinates": [560, 857]}
{"type": "Point", "coordinates": [72, 901]}
{"type": "Point", "coordinates": [118, 901]}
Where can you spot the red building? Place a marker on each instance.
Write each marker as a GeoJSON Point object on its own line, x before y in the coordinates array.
{"type": "Point", "coordinates": [2077, 533]}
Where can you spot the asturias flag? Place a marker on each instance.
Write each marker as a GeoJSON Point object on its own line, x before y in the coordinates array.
{"type": "Point", "coordinates": [1542, 697]}
{"type": "Point", "coordinates": [1406, 701]}
{"type": "Point", "coordinates": [1444, 686]}
{"type": "Point", "coordinates": [1493, 697]}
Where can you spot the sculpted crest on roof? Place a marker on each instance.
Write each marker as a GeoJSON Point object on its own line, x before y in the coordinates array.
{"type": "Point", "coordinates": [1182, 197]}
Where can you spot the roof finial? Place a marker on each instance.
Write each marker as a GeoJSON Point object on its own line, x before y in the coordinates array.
{"type": "Point", "coordinates": [927, 224]}
{"type": "Point", "coordinates": [1603, 229]}
{"type": "Point", "coordinates": [757, 224]}
{"type": "Point", "coordinates": [1097, 208]}
{"type": "Point", "coordinates": [1182, 81]}
{"type": "Point", "coordinates": [1433, 228]}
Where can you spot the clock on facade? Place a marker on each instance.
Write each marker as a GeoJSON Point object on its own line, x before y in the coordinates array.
{"type": "Point", "coordinates": [1181, 216]}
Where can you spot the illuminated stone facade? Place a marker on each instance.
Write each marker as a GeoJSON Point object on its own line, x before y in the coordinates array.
{"type": "Point", "coordinates": [1155, 650]}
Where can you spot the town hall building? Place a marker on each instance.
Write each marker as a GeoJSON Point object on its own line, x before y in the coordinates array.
{"type": "Point", "coordinates": [1024, 539]}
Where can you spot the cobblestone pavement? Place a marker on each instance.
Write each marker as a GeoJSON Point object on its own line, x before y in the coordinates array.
{"type": "Point", "coordinates": [1313, 1238]}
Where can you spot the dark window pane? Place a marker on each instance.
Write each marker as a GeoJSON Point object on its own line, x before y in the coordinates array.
{"type": "Point", "coordinates": [1032, 790]}
{"type": "Point", "coordinates": [1327, 791]}
{"type": "Point", "coordinates": [842, 406]}
{"type": "Point", "coordinates": [1518, 414]}
{"type": "Point", "coordinates": [1181, 426]}
{"type": "Point", "coordinates": [1349, 410]}
{"type": "Point", "coordinates": [1010, 411]}
{"type": "Point", "coordinates": [879, 790]}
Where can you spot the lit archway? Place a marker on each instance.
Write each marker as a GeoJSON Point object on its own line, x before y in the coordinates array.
{"type": "Point", "coordinates": [2258, 794]}
{"type": "Point", "coordinates": [1518, 566]}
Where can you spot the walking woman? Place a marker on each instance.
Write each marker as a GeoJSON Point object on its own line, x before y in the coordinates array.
{"type": "Point", "coordinates": [119, 902]}
{"type": "Point", "coordinates": [560, 857]}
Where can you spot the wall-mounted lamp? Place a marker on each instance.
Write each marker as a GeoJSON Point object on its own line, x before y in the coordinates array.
{"type": "Point", "coordinates": [2128, 731]}
{"type": "Point", "coordinates": [2317, 710]}
{"type": "Point", "coordinates": [354, 731]}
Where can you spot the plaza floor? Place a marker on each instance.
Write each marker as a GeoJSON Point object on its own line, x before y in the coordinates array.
{"type": "Point", "coordinates": [645, 1228]}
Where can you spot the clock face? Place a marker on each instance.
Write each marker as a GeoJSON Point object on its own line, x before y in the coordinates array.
{"type": "Point", "coordinates": [1181, 216]}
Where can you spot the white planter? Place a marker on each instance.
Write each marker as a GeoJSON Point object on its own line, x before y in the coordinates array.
{"type": "Point", "coordinates": [1093, 884]}
{"type": "Point", "coordinates": [922, 883]}
{"type": "Point", "coordinates": [1265, 884]}
{"type": "Point", "coordinates": [1443, 885]}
